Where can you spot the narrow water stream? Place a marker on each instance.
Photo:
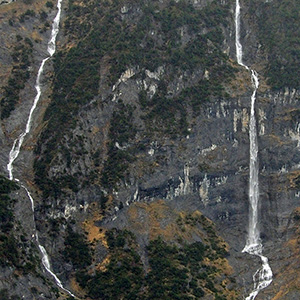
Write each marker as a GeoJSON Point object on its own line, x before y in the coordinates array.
{"type": "Point", "coordinates": [17, 144]}
{"type": "Point", "coordinates": [263, 276]}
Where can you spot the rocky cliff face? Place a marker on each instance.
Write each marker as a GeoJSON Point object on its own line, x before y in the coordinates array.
{"type": "Point", "coordinates": [140, 146]}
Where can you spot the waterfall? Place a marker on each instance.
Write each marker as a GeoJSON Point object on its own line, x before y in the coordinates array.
{"type": "Point", "coordinates": [45, 257]}
{"type": "Point", "coordinates": [17, 144]}
{"type": "Point", "coordinates": [15, 150]}
{"type": "Point", "coordinates": [263, 276]}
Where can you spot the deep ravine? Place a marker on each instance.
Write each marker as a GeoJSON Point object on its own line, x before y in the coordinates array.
{"type": "Point", "coordinates": [16, 148]}
{"type": "Point", "coordinates": [263, 276]}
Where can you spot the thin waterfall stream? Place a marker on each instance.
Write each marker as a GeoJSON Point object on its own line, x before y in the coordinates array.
{"type": "Point", "coordinates": [263, 276]}
{"type": "Point", "coordinates": [17, 144]}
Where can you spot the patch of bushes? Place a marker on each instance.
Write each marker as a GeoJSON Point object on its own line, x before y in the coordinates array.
{"type": "Point", "coordinates": [122, 277]}
{"type": "Point", "coordinates": [6, 204]}
{"type": "Point", "coordinates": [49, 4]}
{"type": "Point", "coordinates": [176, 271]}
{"type": "Point", "coordinates": [26, 15]}
{"type": "Point", "coordinates": [9, 254]}
{"type": "Point", "coordinates": [77, 250]}
{"type": "Point", "coordinates": [22, 58]}
{"type": "Point", "coordinates": [279, 31]}
{"type": "Point", "coordinates": [5, 296]}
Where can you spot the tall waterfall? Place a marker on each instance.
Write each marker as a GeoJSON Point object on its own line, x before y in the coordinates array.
{"type": "Point", "coordinates": [263, 276]}
{"type": "Point", "coordinates": [15, 150]}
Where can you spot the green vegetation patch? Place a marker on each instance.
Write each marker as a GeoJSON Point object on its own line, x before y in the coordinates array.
{"type": "Point", "coordinates": [174, 270]}
{"type": "Point", "coordinates": [22, 58]}
{"type": "Point", "coordinates": [16, 250]}
{"type": "Point", "coordinates": [122, 277]}
{"type": "Point", "coordinates": [6, 204]}
{"type": "Point", "coordinates": [5, 296]}
{"type": "Point", "coordinates": [9, 254]}
{"type": "Point", "coordinates": [279, 33]}
{"type": "Point", "coordinates": [77, 250]}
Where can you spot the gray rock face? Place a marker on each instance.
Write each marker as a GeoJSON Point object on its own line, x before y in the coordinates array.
{"type": "Point", "coordinates": [205, 170]}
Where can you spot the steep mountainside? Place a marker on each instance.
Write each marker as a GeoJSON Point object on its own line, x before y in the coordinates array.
{"type": "Point", "coordinates": [137, 162]}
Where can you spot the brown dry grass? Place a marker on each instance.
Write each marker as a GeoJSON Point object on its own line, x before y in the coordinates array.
{"type": "Point", "coordinates": [76, 288]}
{"type": "Point", "coordinates": [157, 218]}
{"type": "Point", "coordinates": [94, 233]}
{"type": "Point", "coordinates": [102, 266]}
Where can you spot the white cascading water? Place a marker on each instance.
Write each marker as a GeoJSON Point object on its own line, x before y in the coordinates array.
{"type": "Point", "coordinates": [45, 257]}
{"type": "Point", "coordinates": [263, 276]}
{"type": "Point", "coordinates": [14, 152]}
